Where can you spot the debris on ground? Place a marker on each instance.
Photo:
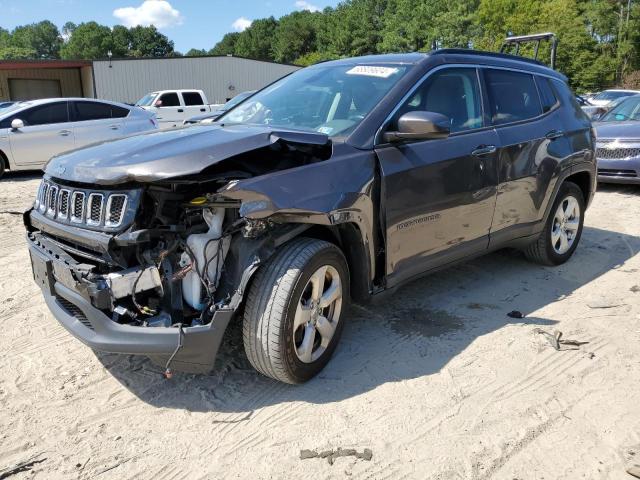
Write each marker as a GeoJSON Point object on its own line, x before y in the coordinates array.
{"type": "Point", "coordinates": [556, 341]}
{"type": "Point", "coordinates": [635, 289]}
{"type": "Point", "coordinates": [634, 470]}
{"type": "Point", "coordinates": [515, 314]}
{"type": "Point", "coordinates": [605, 303]}
{"type": "Point", "coordinates": [22, 466]}
{"type": "Point", "coordinates": [331, 455]}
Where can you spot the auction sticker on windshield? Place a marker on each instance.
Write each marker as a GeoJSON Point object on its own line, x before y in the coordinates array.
{"type": "Point", "coordinates": [371, 71]}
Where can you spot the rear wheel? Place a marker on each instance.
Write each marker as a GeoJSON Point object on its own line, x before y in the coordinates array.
{"type": "Point", "coordinates": [562, 230]}
{"type": "Point", "coordinates": [3, 165]}
{"type": "Point", "coordinates": [293, 315]}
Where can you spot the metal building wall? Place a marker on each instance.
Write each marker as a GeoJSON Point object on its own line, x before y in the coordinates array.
{"type": "Point", "coordinates": [219, 77]}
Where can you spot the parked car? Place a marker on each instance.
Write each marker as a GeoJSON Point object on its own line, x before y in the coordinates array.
{"type": "Point", "coordinates": [605, 97]}
{"type": "Point", "coordinates": [618, 143]}
{"type": "Point", "coordinates": [173, 107]}
{"type": "Point", "coordinates": [32, 132]}
{"type": "Point", "coordinates": [342, 180]}
{"type": "Point", "coordinates": [595, 112]}
{"type": "Point", "coordinates": [5, 104]}
{"type": "Point", "coordinates": [215, 114]}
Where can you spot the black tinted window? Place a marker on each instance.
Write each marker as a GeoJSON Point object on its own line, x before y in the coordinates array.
{"type": "Point", "coordinates": [119, 112]}
{"type": "Point", "coordinates": [92, 111]}
{"type": "Point", "coordinates": [170, 100]}
{"type": "Point", "coordinates": [192, 98]}
{"type": "Point", "coordinates": [452, 92]}
{"type": "Point", "coordinates": [512, 96]}
{"type": "Point", "coordinates": [45, 114]}
{"type": "Point", "coordinates": [547, 95]}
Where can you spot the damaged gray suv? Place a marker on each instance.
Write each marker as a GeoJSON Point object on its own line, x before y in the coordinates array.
{"type": "Point", "coordinates": [340, 181]}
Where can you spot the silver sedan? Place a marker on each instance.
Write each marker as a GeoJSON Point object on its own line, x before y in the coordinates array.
{"type": "Point", "coordinates": [618, 143]}
{"type": "Point", "coordinates": [34, 131]}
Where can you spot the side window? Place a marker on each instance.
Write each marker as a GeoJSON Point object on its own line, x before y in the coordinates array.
{"type": "Point", "coordinates": [454, 93]}
{"type": "Point", "coordinates": [45, 114]}
{"type": "Point", "coordinates": [170, 100]}
{"type": "Point", "coordinates": [512, 96]}
{"type": "Point", "coordinates": [192, 98]}
{"type": "Point", "coordinates": [547, 96]}
{"type": "Point", "coordinates": [119, 112]}
{"type": "Point", "coordinates": [92, 111]}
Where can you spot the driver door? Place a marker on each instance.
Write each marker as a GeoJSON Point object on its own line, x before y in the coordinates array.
{"type": "Point", "coordinates": [46, 132]}
{"type": "Point", "coordinates": [439, 195]}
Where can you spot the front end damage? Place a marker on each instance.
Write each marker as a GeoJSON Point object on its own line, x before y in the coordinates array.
{"type": "Point", "coordinates": [160, 268]}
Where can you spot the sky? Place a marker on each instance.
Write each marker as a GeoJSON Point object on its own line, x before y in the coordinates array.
{"type": "Point", "coordinates": [189, 23]}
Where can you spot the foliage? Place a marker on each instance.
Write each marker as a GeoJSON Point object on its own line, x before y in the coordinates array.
{"type": "Point", "coordinates": [632, 80]}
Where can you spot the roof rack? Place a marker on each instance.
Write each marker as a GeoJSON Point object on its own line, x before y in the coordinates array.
{"type": "Point", "coordinates": [468, 51]}
{"type": "Point", "coordinates": [510, 42]}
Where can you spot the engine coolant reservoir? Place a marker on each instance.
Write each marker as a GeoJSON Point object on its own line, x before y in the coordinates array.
{"type": "Point", "coordinates": [192, 287]}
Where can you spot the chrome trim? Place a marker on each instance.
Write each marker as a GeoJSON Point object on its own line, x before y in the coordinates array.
{"type": "Point", "coordinates": [43, 200]}
{"type": "Point", "coordinates": [107, 221]}
{"type": "Point", "coordinates": [52, 201]}
{"type": "Point", "coordinates": [89, 220]}
{"type": "Point", "coordinates": [64, 215]}
{"type": "Point", "coordinates": [74, 218]}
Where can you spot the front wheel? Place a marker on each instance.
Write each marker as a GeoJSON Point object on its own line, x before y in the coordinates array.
{"type": "Point", "coordinates": [562, 230]}
{"type": "Point", "coordinates": [294, 311]}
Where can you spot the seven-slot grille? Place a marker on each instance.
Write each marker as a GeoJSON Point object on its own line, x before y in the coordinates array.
{"type": "Point", "coordinates": [94, 209]}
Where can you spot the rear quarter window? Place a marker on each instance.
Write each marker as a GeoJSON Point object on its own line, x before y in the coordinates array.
{"type": "Point", "coordinates": [119, 112]}
{"type": "Point", "coordinates": [86, 111]}
{"type": "Point", "coordinates": [547, 95]}
{"type": "Point", "coordinates": [512, 96]}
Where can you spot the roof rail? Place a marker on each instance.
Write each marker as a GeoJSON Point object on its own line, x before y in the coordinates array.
{"type": "Point", "coordinates": [516, 41]}
{"type": "Point", "coordinates": [468, 51]}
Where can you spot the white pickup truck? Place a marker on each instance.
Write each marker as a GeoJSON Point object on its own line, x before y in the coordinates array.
{"type": "Point", "coordinates": [172, 107]}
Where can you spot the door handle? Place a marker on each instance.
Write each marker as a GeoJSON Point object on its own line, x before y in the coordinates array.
{"type": "Point", "coordinates": [553, 134]}
{"type": "Point", "coordinates": [114, 127]}
{"type": "Point", "coordinates": [202, 110]}
{"type": "Point", "coordinates": [483, 150]}
{"type": "Point", "coordinates": [64, 133]}
{"type": "Point", "coordinates": [180, 110]}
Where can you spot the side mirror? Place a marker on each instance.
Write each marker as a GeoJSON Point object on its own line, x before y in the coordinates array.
{"type": "Point", "coordinates": [17, 124]}
{"type": "Point", "coordinates": [420, 125]}
{"type": "Point", "coordinates": [158, 103]}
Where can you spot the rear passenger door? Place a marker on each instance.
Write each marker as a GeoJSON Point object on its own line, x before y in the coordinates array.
{"type": "Point", "coordinates": [193, 104]}
{"type": "Point", "coordinates": [93, 122]}
{"type": "Point", "coordinates": [524, 111]}
{"type": "Point", "coordinates": [438, 195]}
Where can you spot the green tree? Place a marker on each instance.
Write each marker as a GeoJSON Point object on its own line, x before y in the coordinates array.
{"type": "Point", "coordinates": [255, 41]}
{"type": "Point", "coordinates": [226, 46]}
{"type": "Point", "coordinates": [42, 37]}
{"type": "Point", "coordinates": [149, 42]}
{"type": "Point", "coordinates": [195, 52]}
{"type": "Point", "coordinates": [88, 40]}
{"type": "Point", "coordinates": [17, 53]}
{"type": "Point", "coordinates": [295, 36]}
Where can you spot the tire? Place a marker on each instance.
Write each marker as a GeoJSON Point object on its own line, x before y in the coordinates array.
{"type": "Point", "coordinates": [281, 297]}
{"type": "Point", "coordinates": [3, 165]}
{"type": "Point", "coordinates": [549, 249]}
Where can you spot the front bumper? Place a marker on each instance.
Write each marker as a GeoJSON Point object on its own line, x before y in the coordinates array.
{"type": "Point", "coordinates": [68, 301]}
{"type": "Point", "coordinates": [625, 171]}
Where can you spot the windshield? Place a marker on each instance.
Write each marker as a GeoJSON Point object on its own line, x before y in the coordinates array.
{"type": "Point", "coordinates": [628, 109]}
{"type": "Point", "coordinates": [236, 100]}
{"type": "Point", "coordinates": [326, 99]}
{"type": "Point", "coordinates": [612, 95]}
{"type": "Point", "coordinates": [147, 100]}
{"type": "Point", "coordinates": [12, 107]}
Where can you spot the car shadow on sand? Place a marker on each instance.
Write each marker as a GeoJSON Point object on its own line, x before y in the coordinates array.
{"type": "Point", "coordinates": [412, 333]}
{"type": "Point", "coordinates": [21, 176]}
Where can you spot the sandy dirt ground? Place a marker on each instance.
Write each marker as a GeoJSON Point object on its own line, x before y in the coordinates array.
{"type": "Point", "coordinates": [436, 380]}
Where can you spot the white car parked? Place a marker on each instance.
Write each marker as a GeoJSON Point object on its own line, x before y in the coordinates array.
{"type": "Point", "coordinates": [605, 97]}
{"type": "Point", "coordinates": [34, 131]}
{"type": "Point", "coordinates": [173, 107]}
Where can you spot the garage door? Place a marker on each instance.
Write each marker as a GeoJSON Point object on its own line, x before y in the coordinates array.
{"type": "Point", "coordinates": [31, 89]}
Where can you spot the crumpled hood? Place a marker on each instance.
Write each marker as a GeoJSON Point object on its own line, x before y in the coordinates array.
{"type": "Point", "coordinates": [622, 130]}
{"type": "Point", "coordinates": [165, 154]}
